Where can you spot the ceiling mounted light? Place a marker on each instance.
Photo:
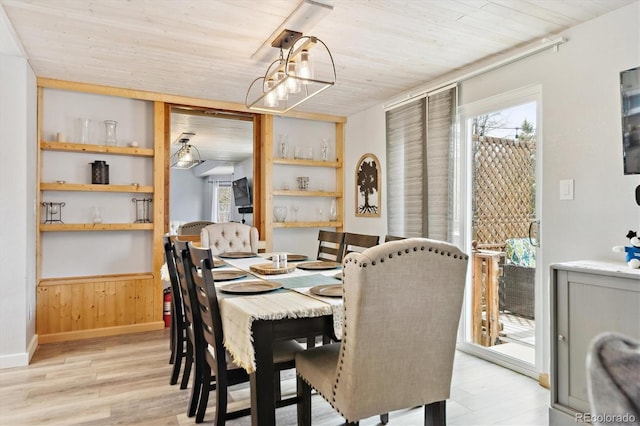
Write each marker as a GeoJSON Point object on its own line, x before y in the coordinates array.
{"type": "Point", "coordinates": [187, 156]}
{"type": "Point", "coordinates": [291, 80]}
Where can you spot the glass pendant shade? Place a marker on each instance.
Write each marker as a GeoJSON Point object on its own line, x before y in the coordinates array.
{"type": "Point", "coordinates": [281, 91]}
{"type": "Point", "coordinates": [305, 69]}
{"type": "Point", "coordinates": [293, 85]}
{"type": "Point", "coordinates": [293, 79]}
{"type": "Point", "coordinates": [270, 99]}
{"type": "Point", "coordinates": [186, 157]}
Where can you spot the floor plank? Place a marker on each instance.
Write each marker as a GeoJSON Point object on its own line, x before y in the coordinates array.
{"type": "Point", "coordinates": [124, 380]}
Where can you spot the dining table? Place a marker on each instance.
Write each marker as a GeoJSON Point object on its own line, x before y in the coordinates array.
{"type": "Point", "coordinates": [289, 309]}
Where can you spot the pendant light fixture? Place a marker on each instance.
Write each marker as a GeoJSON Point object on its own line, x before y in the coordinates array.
{"type": "Point", "coordinates": [292, 79]}
{"type": "Point", "coordinates": [187, 156]}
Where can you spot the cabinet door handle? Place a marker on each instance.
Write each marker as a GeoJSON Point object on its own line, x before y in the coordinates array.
{"type": "Point", "coordinates": [561, 338]}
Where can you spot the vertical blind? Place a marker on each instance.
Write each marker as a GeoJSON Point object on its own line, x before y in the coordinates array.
{"type": "Point", "coordinates": [419, 157]}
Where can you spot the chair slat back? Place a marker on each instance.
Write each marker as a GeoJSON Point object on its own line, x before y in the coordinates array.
{"type": "Point", "coordinates": [388, 238]}
{"type": "Point", "coordinates": [189, 300]}
{"type": "Point", "coordinates": [330, 245]}
{"type": "Point", "coordinates": [358, 242]}
{"type": "Point", "coordinates": [177, 305]}
{"type": "Point", "coordinates": [208, 303]}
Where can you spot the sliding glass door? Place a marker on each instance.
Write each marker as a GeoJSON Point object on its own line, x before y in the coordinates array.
{"type": "Point", "coordinates": [498, 148]}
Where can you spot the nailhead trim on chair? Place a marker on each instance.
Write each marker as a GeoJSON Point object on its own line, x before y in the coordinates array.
{"type": "Point", "coordinates": [344, 323]}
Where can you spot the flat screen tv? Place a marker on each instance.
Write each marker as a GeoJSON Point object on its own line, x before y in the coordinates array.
{"type": "Point", "coordinates": [241, 192]}
{"type": "Point", "coordinates": [630, 95]}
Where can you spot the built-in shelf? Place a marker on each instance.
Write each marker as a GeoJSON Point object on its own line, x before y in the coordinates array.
{"type": "Point", "coordinates": [86, 187]}
{"type": "Point", "coordinates": [101, 149]}
{"type": "Point", "coordinates": [59, 227]}
{"type": "Point", "coordinates": [291, 193]}
{"type": "Point", "coordinates": [307, 224]}
{"type": "Point", "coordinates": [312, 163]}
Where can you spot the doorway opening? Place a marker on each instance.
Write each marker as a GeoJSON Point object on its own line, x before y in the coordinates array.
{"type": "Point", "coordinates": [225, 142]}
{"type": "Point", "coordinates": [501, 319]}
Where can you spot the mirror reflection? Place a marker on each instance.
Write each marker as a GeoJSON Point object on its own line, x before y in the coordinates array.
{"type": "Point", "coordinates": [211, 177]}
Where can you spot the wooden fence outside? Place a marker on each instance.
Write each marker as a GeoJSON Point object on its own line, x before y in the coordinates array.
{"type": "Point", "coordinates": [503, 190]}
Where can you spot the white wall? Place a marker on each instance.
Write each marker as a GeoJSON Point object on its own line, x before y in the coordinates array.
{"type": "Point", "coordinates": [302, 134]}
{"type": "Point", "coordinates": [17, 218]}
{"type": "Point", "coordinates": [365, 133]}
{"type": "Point", "coordinates": [187, 193]}
{"type": "Point", "coordinates": [187, 196]}
{"type": "Point", "coordinates": [581, 140]}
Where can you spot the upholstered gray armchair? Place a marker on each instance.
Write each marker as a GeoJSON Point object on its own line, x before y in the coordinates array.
{"type": "Point", "coordinates": [229, 237]}
{"type": "Point", "coordinates": [402, 304]}
{"type": "Point", "coordinates": [613, 379]}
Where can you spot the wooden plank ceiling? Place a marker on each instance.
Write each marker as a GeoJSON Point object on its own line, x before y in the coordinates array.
{"type": "Point", "coordinates": [203, 48]}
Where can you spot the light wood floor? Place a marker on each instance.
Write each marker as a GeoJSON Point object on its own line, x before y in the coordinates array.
{"type": "Point", "coordinates": [124, 381]}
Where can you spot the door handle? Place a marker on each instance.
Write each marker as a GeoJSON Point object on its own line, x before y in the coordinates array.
{"type": "Point", "coordinates": [535, 241]}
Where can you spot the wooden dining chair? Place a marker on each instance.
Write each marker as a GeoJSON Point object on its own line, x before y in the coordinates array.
{"type": "Point", "coordinates": [405, 332]}
{"type": "Point", "coordinates": [181, 348]}
{"type": "Point", "coordinates": [192, 316]}
{"type": "Point", "coordinates": [358, 242]}
{"type": "Point", "coordinates": [388, 238]}
{"type": "Point", "coordinates": [217, 369]}
{"type": "Point", "coordinates": [330, 245]}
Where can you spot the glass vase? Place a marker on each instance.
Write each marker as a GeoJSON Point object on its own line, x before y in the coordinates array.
{"type": "Point", "coordinates": [333, 211]}
{"type": "Point", "coordinates": [96, 215]}
{"type": "Point", "coordinates": [84, 130]}
{"type": "Point", "coordinates": [110, 127]}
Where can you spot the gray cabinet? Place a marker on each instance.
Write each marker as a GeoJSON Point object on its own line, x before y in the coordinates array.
{"type": "Point", "coordinates": [587, 298]}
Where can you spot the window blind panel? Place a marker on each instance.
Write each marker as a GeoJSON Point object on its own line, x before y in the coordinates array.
{"type": "Point", "coordinates": [405, 166]}
{"type": "Point", "coordinates": [441, 114]}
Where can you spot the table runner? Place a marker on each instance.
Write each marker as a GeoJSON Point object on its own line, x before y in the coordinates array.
{"type": "Point", "coordinates": [336, 308]}
{"type": "Point", "coordinates": [238, 314]}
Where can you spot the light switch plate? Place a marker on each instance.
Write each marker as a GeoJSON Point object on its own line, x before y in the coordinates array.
{"type": "Point", "coordinates": [566, 189]}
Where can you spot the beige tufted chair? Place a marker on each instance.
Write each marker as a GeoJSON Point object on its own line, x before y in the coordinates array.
{"type": "Point", "coordinates": [193, 228]}
{"type": "Point", "coordinates": [402, 304]}
{"type": "Point", "coordinates": [229, 237]}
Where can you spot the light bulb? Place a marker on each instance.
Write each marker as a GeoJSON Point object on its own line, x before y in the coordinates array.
{"type": "Point", "coordinates": [305, 68]}
{"type": "Point", "coordinates": [186, 157]}
{"type": "Point", "coordinates": [293, 85]}
{"type": "Point", "coordinates": [281, 91]}
{"type": "Point", "coordinates": [270, 99]}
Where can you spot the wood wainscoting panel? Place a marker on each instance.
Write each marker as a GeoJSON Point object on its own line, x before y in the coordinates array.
{"type": "Point", "coordinates": [83, 307]}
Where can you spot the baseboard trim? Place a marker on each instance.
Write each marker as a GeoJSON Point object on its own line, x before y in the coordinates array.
{"type": "Point", "coordinates": [99, 332]}
{"type": "Point", "coordinates": [543, 380]}
{"type": "Point", "coordinates": [33, 345]}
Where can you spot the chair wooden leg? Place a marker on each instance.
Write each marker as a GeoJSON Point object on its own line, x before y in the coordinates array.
{"type": "Point", "coordinates": [221, 400]}
{"type": "Point", "coordinates": [172, 340]}
{"type": "Point", "coordinates": [195, 390]}
{"type": "Point", "coordinates": [384, 418]}
{"type": "Point", "coordinates": [175, 371]}
{"type": "Point", "coordinates": [203, 398]}
{"type": "Point", "coordinates": [277, 386]}
{"type": "Point", "coordinates": [435, 414]}
{"type": "Point", "coordinates": [177, 355]}
{"type": "Point", "coordinates": [304, 402]}
{"type": "Point", "coordinates": [188, 362]}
